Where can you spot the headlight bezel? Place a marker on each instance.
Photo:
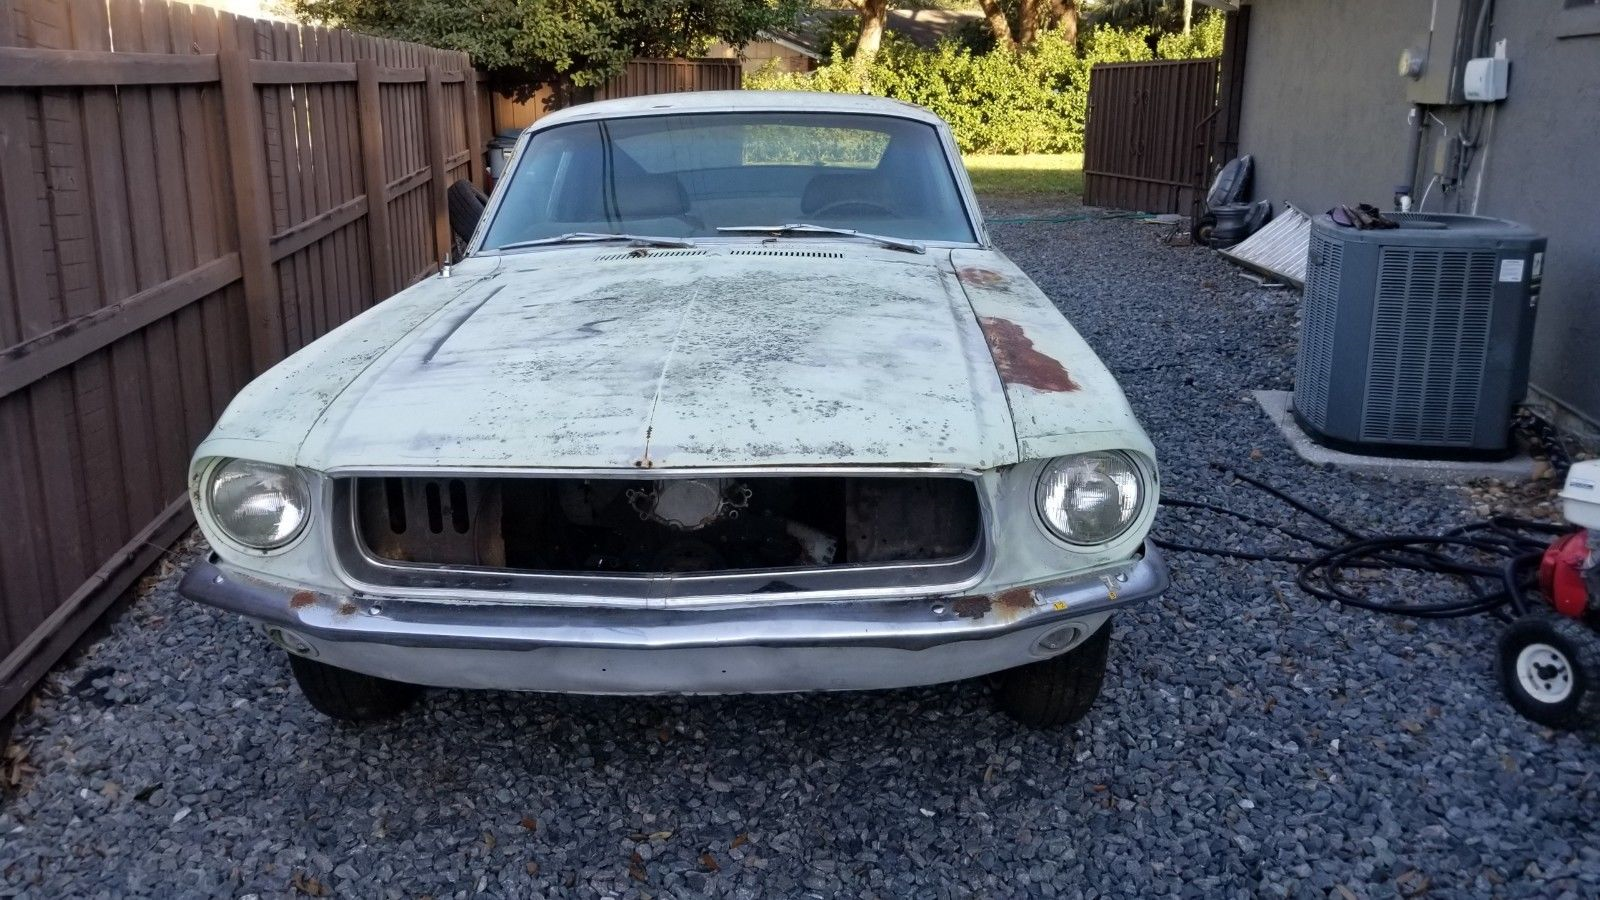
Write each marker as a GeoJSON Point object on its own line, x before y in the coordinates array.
{"type": "Point", "coordinates": [302, 485]}
{"type": "Point", "coordinates": [1143, 483]}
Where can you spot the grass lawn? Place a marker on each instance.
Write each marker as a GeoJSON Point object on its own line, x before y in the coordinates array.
{"type": "Point", "coordinates": [1031, 173]}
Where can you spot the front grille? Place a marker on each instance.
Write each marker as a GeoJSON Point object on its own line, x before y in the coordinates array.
{"type": "Point", "coordinates": [663, 537]}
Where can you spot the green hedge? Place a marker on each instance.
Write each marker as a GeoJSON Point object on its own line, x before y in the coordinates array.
{"type": "Point", "coordinates": [1002, 101]}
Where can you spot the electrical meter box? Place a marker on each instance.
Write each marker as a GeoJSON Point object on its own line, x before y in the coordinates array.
{"type": "Point", "coordinates": [1486, 78]}
{"type": "Point", "coordinates": [1434, 64]}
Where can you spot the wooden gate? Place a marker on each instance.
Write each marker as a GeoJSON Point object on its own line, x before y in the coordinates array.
{"type": "Point", "coordinates": [185, 197]}
{"type": "Point", "coordinates": [1147, 141]}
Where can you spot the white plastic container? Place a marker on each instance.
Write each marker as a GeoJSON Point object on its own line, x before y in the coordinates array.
{"type": "Point", "coordinates": [1580, 500]}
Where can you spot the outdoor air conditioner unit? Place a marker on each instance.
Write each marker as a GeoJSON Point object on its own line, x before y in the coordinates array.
{"type": "Point", "coordinates": [1415, 339]}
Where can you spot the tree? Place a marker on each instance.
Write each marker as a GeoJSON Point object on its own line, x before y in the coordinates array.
{"type": "Point", "coordinates": [528, 43]}
{"type": "Point", "coordinates": [1017, 24]}
{"type": "Point", "coordinates": [1063, 15]}
{"type": "Point", "coordinates": [874, 15]}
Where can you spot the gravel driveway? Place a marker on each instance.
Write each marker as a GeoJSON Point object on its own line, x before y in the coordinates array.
{"type": "Point", "coordinates": [1249, 741]}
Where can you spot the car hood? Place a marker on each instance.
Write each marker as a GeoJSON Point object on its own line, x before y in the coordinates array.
{"type": "Point", "coordinates": [600, 358]}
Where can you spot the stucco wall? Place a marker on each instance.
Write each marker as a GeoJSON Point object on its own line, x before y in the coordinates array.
{"type": "Point", "coordinates": [1325, 114]}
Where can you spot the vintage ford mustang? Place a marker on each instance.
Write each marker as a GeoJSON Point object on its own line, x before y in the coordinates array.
{"type": "Point", "coordinates": [727, 392]}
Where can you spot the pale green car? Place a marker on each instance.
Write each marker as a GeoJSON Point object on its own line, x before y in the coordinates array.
{"type": "Point", "coordinates": [728, 392]}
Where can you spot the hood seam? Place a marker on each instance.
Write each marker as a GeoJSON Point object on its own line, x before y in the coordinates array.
{"type": "Point", "coordinates": [661, 377]}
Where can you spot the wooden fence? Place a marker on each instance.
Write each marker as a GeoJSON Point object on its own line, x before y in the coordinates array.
{"type": "Point", "coordinates": [1147, 141]}
{"type": "Point", "coordinates": [642, 76]}
{"type": "Point", "coordinates": [185, 198]}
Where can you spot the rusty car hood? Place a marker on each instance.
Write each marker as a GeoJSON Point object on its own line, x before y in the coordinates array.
{"type": "Point", "coordinates": [1062, 398]}
{"type": "Point", "coordinates": [605, 358]}
{"type": "Point", "coordinates": [731, 356]}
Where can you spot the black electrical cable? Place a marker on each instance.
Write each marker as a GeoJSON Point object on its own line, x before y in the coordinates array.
{"type": "Point", "coordinates": [1492, 560]}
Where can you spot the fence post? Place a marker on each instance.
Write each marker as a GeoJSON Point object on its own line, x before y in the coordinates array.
{"type": "Point", "coordinates": [380, 248]}
{"type": "Point", "coordinates": [475, 142]}
{"type": "Point", "coordinates": [241, 119]}
{"type": "Point", "coordinates": [435, 105]}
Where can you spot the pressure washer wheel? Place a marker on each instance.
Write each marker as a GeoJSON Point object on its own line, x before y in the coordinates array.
{"type": "Point", "coordinates": [1550, 670]}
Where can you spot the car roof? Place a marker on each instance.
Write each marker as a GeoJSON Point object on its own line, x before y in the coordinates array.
{"type": "Point", "coordinates": [737, 101]}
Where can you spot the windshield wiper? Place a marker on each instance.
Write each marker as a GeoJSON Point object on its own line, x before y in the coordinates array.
{"type": "Point", "coordinates": [590, 237]}
{"type": "Point", "coordinates": [802, 228]}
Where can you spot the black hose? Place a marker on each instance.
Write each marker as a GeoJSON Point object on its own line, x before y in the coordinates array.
{"type": "Point", "coordinates": [1493, 560]}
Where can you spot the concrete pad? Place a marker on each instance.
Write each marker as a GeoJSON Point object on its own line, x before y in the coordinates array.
{"type": "Point", "coordinates": [1445, 471]}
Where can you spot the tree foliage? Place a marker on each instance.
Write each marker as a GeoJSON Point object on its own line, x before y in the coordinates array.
{"type": "Point", "coordinates": [1160, 15]}
{"type": "Point", "coordinates": [1030, 100]}
{"type": "Point", "coordinates": [566, 42]}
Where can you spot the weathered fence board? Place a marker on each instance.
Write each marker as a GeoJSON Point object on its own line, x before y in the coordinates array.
{"type": "Point", "coordinates": [185, 197]}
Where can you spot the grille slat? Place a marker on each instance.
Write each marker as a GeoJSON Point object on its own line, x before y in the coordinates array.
{"type": "Point", "coordinates": [647, 253]}
{"type": "Point", "coordinates": [807, 254]}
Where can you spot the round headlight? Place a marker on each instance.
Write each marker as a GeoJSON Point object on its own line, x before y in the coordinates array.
{"type": "Point", "coordinates": [1090, 498]}
{"type": "Point", "coordinates": [260, 505]}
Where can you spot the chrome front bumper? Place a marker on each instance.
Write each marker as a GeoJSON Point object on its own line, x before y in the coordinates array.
{"type": "Point", "coordinates": [858, 644]}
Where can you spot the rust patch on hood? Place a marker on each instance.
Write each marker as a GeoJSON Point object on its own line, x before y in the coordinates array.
{"type": "Point", "coordinates": [1018, 362]}
{"type": "Point", "coordinates": [978, 276]}
{"type": "Point", "coordinates": [302, 599]}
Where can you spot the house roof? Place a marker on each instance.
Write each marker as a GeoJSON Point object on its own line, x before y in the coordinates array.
{"type": "Point", "coordinates": [790, 40]}
{"type": "Point", "coordinates": [926, 27]}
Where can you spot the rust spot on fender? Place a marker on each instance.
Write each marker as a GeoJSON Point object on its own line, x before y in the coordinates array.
{"type": "Point", "coordinates": [974, 607]}
{"type": "Point", "coordinates": [347, 608]}
{"type": "Point", "coordinates": [1018, 362]}
{"type": "Point", "coordinates": [1005, 606]}
{"type": "Point", "coordinates": [1016, 599]}
{"type": "Point", "coordinates": [1014, 603]}
{"type": "Point", "coordinates": [302, 599]}
{"type": "Point", "coordinates": [977, 276]}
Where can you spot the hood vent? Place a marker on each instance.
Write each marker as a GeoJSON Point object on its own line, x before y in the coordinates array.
{"type": "Point", "coordinates": [809, 254]}
{"type": "Point", "coordinates": [646, 253]}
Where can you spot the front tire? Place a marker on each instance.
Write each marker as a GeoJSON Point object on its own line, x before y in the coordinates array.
{"type": "Point", "coordinates": [1060, 690]}
{"type": "Point", "coordinates": [1550, 670]}
{"type": "Point", "coordinates": [350, 696]}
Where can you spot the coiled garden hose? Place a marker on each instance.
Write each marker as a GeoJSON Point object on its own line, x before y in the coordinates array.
{"type": "Point", "coordinates": [1494, 561]}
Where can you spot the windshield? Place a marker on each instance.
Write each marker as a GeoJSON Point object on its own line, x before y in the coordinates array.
{"type": "Point", "coordinates": [686, 175]}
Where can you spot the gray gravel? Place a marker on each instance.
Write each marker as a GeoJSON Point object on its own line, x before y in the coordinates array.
{"type": "Point", "coordinates": [1250, 742]}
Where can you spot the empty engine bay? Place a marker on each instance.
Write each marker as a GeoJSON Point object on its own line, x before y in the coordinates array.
{"type": "Point", "coordinates": [668, 525]}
